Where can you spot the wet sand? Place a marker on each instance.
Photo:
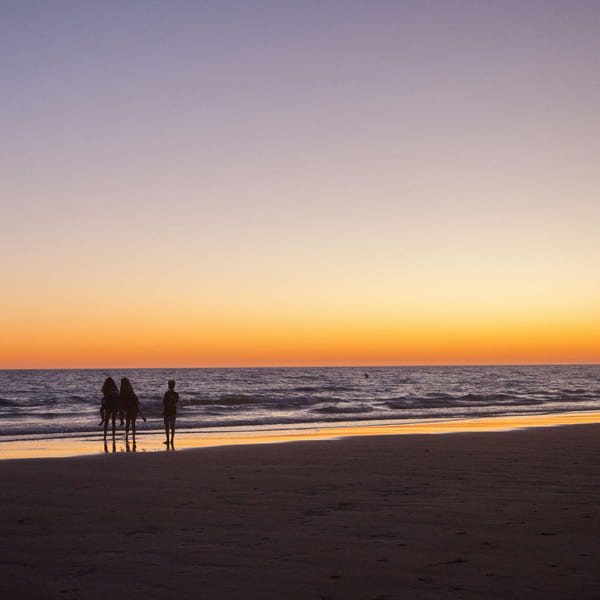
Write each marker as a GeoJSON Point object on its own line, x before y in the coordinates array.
{"type": "Point", "coordinates": [152, 440]}
{"type": "Point", "coordinates": [512, 514]}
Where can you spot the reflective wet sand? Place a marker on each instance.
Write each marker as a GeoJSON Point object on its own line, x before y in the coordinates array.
{"type": "Point", "coordinates": [153, 442]}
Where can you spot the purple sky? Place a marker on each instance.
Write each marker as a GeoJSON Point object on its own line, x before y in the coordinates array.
{"type": "Point", "coordinates": [448, 149]}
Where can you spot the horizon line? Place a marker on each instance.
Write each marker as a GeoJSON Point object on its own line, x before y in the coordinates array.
{"type": "Point", "coordinates": [332, 366]}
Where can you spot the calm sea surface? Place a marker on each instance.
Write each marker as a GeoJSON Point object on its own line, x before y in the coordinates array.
{"type": "Point", "coordinates": [37, 404]}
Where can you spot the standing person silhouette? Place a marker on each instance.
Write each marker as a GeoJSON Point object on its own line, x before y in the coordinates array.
{"type": "Point", "coordinates": [170, 400]}
{"type": "Point", "coordinates": [110, 405]}
{"type": "Point", "coordinates": [131, 405]}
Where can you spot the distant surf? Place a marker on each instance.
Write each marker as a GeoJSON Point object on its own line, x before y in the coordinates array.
{"type": "Point", "coordinates": [35, 404]}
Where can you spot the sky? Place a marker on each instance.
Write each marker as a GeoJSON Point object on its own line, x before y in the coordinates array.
{"type": "Point", "coordinates": [266, 183]}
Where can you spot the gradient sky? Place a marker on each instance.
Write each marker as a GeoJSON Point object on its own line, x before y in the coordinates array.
{"type": "Point", "coordinates": [299, 183]}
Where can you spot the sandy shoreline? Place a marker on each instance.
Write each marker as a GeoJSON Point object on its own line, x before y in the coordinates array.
{"type": "Point", "coordinates": [474, 515]}
{"type": "Point", "coordinates": [152, 441]}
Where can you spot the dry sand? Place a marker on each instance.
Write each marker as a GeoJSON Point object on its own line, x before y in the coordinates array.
{"type": "Point", "coordinates": [474, 515]}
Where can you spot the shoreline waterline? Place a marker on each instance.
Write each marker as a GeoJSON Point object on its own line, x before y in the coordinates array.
{"type": "Point", "coordinates": [152, 441]}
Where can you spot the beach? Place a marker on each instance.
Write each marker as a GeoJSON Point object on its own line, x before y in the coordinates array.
{"type": "Point", "coordinates": [505, 514]}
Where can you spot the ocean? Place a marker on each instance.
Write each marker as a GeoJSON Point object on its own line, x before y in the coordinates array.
{"type": "Point", "coordinates": [41, 404]}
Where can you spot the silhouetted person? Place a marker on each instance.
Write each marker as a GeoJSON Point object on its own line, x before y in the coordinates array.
{"type": "Point", "coordinates": [110, 405]}
{"type": "Point", "coordinates": [131, 406]}
{"type": "Point", "coordinates": [170, 400]}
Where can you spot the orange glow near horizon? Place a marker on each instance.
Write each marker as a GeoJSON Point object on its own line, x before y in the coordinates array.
{"type": "Point", "coordinates": [281, 341]}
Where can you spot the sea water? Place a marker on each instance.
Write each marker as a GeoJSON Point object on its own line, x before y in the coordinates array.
{"type": "Point", "coordinates": [40, 404]}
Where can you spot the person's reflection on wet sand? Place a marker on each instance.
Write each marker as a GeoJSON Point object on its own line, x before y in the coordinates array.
{"type": "Point", "coordinates": [114, 447]}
